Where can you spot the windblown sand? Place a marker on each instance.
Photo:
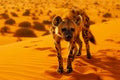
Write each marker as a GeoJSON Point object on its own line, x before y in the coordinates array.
{"type": "Point", "coordinates": [35, 58]}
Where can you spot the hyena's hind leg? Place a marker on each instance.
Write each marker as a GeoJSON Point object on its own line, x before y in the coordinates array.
{"type": "Point", "coordinates": [79, 42]}
{"type": "Point", "coordinates": [59, 55]}
{"type": "Point", "coordinates": [85, 34]}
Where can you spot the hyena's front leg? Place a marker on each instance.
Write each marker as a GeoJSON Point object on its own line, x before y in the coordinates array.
{"type": "Point", "coordinates": [70, 57]}
{"type": "Point", "coordinates": [60, 59]}
{"type": "Point", "coordinates": [86, 40]}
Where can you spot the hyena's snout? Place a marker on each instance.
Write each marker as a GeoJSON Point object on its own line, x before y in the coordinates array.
{"type": "Point", "coordinates": [68, 35]}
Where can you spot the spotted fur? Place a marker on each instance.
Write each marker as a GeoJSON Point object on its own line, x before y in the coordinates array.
{"type": "Point", "coordinates": [69, 29]}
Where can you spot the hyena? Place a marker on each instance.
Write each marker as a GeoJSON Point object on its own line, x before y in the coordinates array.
{"type": "Point", "coordinates": [69, 29]}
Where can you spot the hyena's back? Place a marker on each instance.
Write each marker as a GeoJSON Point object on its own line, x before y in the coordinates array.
{"type": "Point", "coordinates": [86, 33]}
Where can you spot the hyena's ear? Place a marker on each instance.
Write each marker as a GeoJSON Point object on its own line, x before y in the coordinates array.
{"type": "Point", "coordinates": [78, 20]}
{"type": "Point", "coordinates": [56, 20]}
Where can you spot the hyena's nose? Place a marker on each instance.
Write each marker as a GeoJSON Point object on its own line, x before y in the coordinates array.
{"type": "Point", "coordinates": [68, 37]}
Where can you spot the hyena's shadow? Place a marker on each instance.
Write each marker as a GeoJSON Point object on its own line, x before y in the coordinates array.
{"type": "Point", "coordinates": [102, 63]}
{"type": "Point", "coordinates": [88, 69]}
{"type": "Point", "coordinates": [75, 75]}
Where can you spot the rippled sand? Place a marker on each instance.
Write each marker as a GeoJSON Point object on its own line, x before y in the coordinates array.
{"type": "Point", "coordinates": [35, 59]}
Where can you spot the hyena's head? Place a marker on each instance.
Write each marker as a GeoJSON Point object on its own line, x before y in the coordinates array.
{"type": "Point", "coordinates": [66, 27]}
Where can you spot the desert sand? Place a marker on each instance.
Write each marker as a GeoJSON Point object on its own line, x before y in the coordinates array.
{"type": "Point", "coordinates": [34, 58]}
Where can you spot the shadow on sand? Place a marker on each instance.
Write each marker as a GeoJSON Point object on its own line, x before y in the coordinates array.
{"type": "Point", "coordinates": [90, 69]}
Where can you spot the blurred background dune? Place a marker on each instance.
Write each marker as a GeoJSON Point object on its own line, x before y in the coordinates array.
{"type": "Point", "coordinates": [36, 15]}
{"type": "Point", "coordinates": [27, 49]}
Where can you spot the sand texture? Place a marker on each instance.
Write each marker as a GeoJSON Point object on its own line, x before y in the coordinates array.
{"type": "Point", "coordinates": [34, 57]}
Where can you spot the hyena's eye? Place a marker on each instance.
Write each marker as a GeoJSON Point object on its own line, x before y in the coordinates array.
{"type": "Point", "coordinates": [64, 29]}
{"type": "Point", "coordinates": [72, 29]}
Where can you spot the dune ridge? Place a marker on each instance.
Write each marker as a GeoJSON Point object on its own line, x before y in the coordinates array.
{"type": "Point", "coordinates": [35, 59]}
{"type": "Point", "coordinates": [23, 58]}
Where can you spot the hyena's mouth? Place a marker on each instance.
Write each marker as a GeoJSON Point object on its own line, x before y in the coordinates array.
{"type": "Point", "coordinates": [68, 37]}
{"type": "Point", "coordinates": [67, 34]}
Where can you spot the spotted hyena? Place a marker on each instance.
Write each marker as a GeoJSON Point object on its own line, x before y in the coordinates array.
{"type": "Point", "coordinates": [69, 30]}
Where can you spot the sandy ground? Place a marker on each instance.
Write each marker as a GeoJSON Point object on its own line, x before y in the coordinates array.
{"type": "Point", "coordinates": [35, 59]}
{"type": "Point", "coordinates": [23, 58]}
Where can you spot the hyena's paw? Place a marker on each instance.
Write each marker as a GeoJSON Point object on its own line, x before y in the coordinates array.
{"type": "Point", "coordinates": [60, 70]}
{"type": "Point", "coordinates": [69, 70]}
{"type": "Point", "coordinates": [73, 57]}
{"type": "Point", "coordinates": [78, 53]}
{"type": "Point", "coordinates": [88, 55]}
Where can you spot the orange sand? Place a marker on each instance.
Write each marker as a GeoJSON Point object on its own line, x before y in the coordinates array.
{"type": "Point", "coordinates": [35, 59]}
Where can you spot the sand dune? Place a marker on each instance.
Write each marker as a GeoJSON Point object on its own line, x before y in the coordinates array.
{"type": "Point", "coordinates": [35, 59]}
{"type": "Point", "coordinates": [23, 58]}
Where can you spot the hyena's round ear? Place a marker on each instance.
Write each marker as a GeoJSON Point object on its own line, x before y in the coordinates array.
{"type": "Point", "coordinates": [56, 20]}
{"type": "Point", "coordinates": [78, 20]}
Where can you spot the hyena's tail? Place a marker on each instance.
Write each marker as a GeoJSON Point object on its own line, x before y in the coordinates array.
{"type": "Point", "coordinates": [92, 38]}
